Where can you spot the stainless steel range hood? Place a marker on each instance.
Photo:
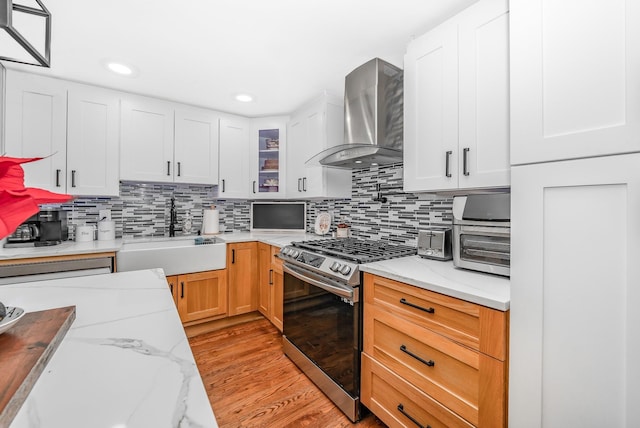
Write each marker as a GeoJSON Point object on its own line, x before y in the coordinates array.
{"type": "Point", "coordinates": [373, 108]}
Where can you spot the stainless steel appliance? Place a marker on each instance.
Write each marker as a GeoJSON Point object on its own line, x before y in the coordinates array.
{"type": "Point", "coordinates": [373, 125]}
{"type": "Point", "coordinates": [482, 232]}
{"type": "Point", "coordinates": [323, 315]}
{"type": "Point", "coordinates": [48, 227]}
{"type": "Point", "coordinates": [435, 243]}
{"type": "Point", "coordinates": [278, 216]}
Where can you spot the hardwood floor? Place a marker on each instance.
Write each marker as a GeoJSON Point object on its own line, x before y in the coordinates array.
{"type": "Point", "coordinates": [251, 383]}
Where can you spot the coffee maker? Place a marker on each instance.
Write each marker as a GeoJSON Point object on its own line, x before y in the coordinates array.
{"type": "Point", "coordinates": [48, 227]}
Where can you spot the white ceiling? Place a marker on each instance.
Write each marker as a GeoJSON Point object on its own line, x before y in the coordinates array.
{"type": "Point", "coordinates": [204, 52]}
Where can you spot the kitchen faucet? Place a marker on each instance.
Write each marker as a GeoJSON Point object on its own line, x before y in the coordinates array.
{"type": "Point", "coordinates": [174, 218]}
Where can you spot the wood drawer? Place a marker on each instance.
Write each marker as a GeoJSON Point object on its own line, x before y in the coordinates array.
{"type": "Point", "coordinates": [383, 392]}
{"type": "Point", "coordinates": [475, 326]}
{"type": "Point", "coordinates": [452, 374]}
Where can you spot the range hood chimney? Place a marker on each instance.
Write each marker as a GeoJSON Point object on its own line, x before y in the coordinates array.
{"type": "Point", "coordinates": [373, 121]}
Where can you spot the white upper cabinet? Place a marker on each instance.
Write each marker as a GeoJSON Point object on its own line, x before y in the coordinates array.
{"type": "Point", "coordinates": [92, 141]}
{"type": "Point", "coordinates": [313, 128]}
{"type": "Point", "coordinates": [575, 79]}
{"type": "Point", "coordinates": [196, 146]}
{"type": "Point", "coordinates": [456, 133]}
{"type": "Point", "coordinates": [82, 144]}
{"type": "Point", "coordinates": [431, 111]}
{"type": "Point", "coordinates": [267, 145]}
{"type": "Point", "coordinates": [167, 142]}
{"type": "Point", "coordinates": [146, 140]}
{"type": "Point", "coordinates": [234, 159]}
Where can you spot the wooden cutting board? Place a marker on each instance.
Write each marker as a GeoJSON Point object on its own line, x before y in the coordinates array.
{"type": "Point", "coordinates": [25, 350]}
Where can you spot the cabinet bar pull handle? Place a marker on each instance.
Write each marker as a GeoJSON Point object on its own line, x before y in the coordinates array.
{"type": "Point", "coordinates": [429, 363]}
{"type": "Point", "coordinates": [182, 290]}
{"type": "Point", "coordinates": [428, 310]}
{"type": "Point", "coordinates": [233, 256]}
{"type": "Point", "coordinates": [270, 276]}
{"type": "Point", "coordinates": [223, 186]}
{"type": "Point", "coordinates": [254, 186]}
{"type": "Point", "coordinates": [299, 182]}
{"type": "Point", "coordinates": [465, 166]}
{"type": "Point", "coordinates": [304, 184]}
{"type": "Point", "coordinates": [168, 167]}
{"type": "Point", "coordinates": [411, 418]}
{"type": "Point", "coordinates": [171, 288]}
{"type": "Point", "coordinates": [73, 178]}
{"type": "Point", "coordinates": [58, 177]}
{"type": "Point", "coordinates": [178, 169]}
{"type": "Point", "coordinates": [447, 173]}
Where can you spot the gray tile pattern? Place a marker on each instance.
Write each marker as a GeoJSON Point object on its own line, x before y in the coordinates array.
{"type": "Point", "coordinates": [143, 208]}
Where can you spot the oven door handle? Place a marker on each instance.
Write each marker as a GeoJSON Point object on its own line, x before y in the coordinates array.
{"type": "Point", "coordinates": [326, 284]}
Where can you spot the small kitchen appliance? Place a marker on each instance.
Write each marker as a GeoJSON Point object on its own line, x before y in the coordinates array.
{"type": "Point", "coordinates": [323, 314]}
{"type": "Point", "coordinates": [48, 227]}
{"type": "Point", "coordinates": [482, 232]}
{"type": "Point", "coordinates": [435, 243]}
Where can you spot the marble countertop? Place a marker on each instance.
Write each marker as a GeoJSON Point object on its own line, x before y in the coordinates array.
{"type": "Point", "coordinates": [277, 239]}
{"type": "Point", "coordinates": [442, 277]}
{"type": "Point", "coordinates": [125, 362]}
{"type": "Point", "coordinates": [72, 248]}
{"type": "Point", "coordinates": [63, 249]}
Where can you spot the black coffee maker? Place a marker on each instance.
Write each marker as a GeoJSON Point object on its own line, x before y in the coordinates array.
{"type": "Point", "coordinates": [48, 227]}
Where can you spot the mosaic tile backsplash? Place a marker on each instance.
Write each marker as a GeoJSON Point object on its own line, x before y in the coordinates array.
{"type": "Point", "coordinates": [143, 208]}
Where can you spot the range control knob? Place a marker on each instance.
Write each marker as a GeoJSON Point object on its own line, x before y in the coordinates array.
{"type": "Point", "coordinates": [294, 253]}
{"type": "Point", "coordinates": [345, 270]}
{"type": "Point", "coordinates": [335, 266]}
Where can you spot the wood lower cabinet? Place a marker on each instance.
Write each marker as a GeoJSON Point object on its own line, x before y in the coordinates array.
{"type": "Point", "coordinates": [271, 284]}
{"type": "Point", "coordinates": [200, 296]}
{"type": "Point", "coordinates": [432, 359]}
{"type": "Point", "coordinates": [242, 267]}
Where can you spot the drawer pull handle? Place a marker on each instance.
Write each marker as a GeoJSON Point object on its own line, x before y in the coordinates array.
{"type": "Point", "coordinates": [428, 310]}
{"type": "Point", "coordinates": [429, 363]}
{"type": "Point", "coordinates": [411, 418]}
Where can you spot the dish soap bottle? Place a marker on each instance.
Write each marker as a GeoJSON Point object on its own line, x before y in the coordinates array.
{"type": "Point", "coordinates": [186, 226]}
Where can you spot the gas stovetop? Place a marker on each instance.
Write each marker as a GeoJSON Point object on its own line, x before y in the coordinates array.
{"type": "Point", "coordinates": [339, 258]}
{"type": "Point", "coordinates": [357, 250]}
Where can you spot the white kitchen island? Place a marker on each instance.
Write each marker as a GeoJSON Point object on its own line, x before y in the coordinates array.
{"type": "Point", "coordinates": [125, 362]}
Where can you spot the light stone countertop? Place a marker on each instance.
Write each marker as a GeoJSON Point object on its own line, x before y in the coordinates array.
{"type": "Point", "coordinates": [63, 249]}
{"type": "Point", "coordinates": [125, 362]}
{"type": "Point", "coordinates": [442, 277]}
{"type": "Point", "coordinates": [72, 248]}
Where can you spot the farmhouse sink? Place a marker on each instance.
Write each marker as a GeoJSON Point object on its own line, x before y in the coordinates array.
{"type": "Point", "coordinates": [175, 255]}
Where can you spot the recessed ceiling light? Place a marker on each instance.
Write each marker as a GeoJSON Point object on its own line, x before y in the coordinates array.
{"type": "Point", "coordinates": [358, 161]}
{"type": "Point", "coordinates": [245, 98]}
{"type": "Point", "coordinates": [374, 164]}
{"type": "Point", "coordinates": [116, 67]}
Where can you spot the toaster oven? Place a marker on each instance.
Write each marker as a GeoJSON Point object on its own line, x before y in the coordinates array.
{"type": "Point", "coordinates": [482, 233]}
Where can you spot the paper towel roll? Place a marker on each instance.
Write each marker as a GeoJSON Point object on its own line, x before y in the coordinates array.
{"type": "Point", "coordinates": [211, 222]}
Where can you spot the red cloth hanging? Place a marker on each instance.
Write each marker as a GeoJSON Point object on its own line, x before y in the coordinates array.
{"type": "Point", "coordinates": [18, 203]}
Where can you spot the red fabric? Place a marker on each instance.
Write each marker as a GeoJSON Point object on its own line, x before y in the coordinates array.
{"type": "Point", "coordinates": [18, 203]}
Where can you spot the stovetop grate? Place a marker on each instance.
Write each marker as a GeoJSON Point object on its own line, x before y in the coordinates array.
{"type": "Point", "coordinates": [357, 250]}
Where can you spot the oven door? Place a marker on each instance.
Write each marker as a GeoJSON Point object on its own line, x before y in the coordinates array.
{"type": "Point", "coordinates": [322, 320]}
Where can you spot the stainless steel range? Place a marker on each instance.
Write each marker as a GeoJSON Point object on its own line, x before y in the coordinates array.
{"type": "Point", "coordinates": [323, 315]}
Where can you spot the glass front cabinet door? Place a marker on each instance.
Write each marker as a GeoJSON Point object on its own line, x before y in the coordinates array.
{"type": "Point", "coordinates": [268, 179]}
